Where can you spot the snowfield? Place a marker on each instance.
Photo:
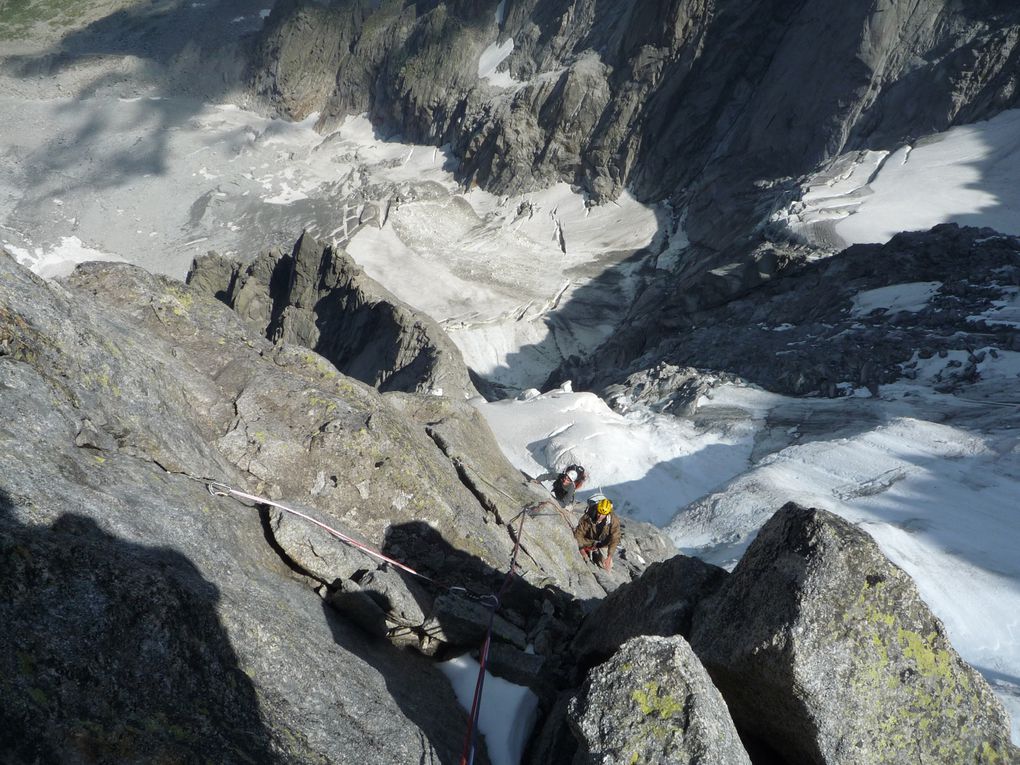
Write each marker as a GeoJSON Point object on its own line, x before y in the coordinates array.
{"type": "Point", "coordinates": [932, 478]}
{"type": "Point", "coordinates": [967, 175]}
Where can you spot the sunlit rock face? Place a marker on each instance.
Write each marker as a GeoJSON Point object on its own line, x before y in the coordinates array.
{"type": "Point", "coordinates": [694, 99]}
{"type": "Point", "coordinates": [825, 651]}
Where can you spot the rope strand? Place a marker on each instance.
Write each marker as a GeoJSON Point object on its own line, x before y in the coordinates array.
{"type": "Point", "coordinates": [222, 490]}
{"type": "Point", "coordinates": [219, 489]}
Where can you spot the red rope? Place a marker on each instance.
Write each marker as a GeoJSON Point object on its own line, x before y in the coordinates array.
{"type": "Point", "coordinates": [467, 756]}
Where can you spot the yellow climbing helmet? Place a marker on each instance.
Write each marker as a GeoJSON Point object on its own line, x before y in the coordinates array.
{"type": "Point", "coordinates": [602, 505]}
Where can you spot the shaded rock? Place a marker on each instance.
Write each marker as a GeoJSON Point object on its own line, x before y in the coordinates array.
{"type": "Point", "coordinates": [115, 650]}
{"type": "Point", "coordinates": [317, 297]}
{"type": "Point", "coordinates": [385, 604]}
{"type": "Point", "coordinates": [405, 602]}
{"type": "Point", "coordinates": [515, 665]}
{"type": "Point", "coordinates": [825, 651]}
{"type": "Point", "coordinates": [798, 333]}
{"type": "Point", "coordinates": [553, 741]}
{"type": "Point", "coordinates": [314, 553]}
{"type": "Point", "coordinates": [662, 388]}
{"type": "Point", "coordinates": [123, 578]}
{"type": "Point", "coordinates": [457, 621]}
{"type": "Point", "coordinates": [653, 702]}
{"type": "Point", "coordinates": [661, 602]}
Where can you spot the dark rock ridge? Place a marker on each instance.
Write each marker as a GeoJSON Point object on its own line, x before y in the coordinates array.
{"type": "Point", "coordinates": [319, 298]}
{"type": "Point", "coordinates": [713, 104]}
{"type": "Point", "coordinates": [144, 617]}
{"type": "Point", "coordinates": [661, 602]}
{"type": "Point", "coordinates": [798, 333]}
{"type": "Point", "coordinates": [821, 648]}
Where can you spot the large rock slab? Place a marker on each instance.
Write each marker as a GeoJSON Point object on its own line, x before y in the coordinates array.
{"type": "Point", "coordinates": [122, 393]}
{"type": "Point", "coordinates": [143, 616]}
{"type": "Point", "coordinates": [653, 702]}
{"type": "Point", "coordinates": [825, 651]}
{"type": "Point", "coordinates": [661, 602]}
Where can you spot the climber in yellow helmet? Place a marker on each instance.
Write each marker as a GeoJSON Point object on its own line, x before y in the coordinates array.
{"type": "Point", "coordinates": [598, 531]}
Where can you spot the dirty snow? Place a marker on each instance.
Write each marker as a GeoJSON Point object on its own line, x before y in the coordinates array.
{"type": "Point", "coordinates": [909, 298]}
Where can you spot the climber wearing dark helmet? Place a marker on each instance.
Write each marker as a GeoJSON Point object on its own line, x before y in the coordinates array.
{"type": "Point", "coordinates": [565, 483]}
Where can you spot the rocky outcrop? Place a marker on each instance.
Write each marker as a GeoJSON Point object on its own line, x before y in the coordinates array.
{"type": "Point", "coordinates": [653, 702]}
{"type": "Point", "coordinates": [319, 298]}
{"type": "Point", "coordinates": [825, 652]}
{"type": "Point", "coordinates": [661, 602]}
{"type": "Point", "coordinates": [821, 648]}
{"type": "Point", "coordinates": [122, 395]}
{"type": "Point", "coordinates": [145, 617]}
{"type": "Point", "coordinates": [662, 388]}
{"type": "Point", "coordinates": [807, 331]}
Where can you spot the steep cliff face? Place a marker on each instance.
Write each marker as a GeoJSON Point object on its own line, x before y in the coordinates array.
{"type": "Point", "coordinates": [144, 615]}
{"type": "Point", "coordinates": [319, 298]}
{"type": "Point", "coordinates": [708, 102]}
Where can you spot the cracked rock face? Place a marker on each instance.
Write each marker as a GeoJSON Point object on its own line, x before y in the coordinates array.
{"type": "Point", "coordinates": [825, 652]}
{"type": "Point", "coordinates": [688, 99]}
{"type": "Point", "coordinates": [121, 393]}
{"type": "Point", "coordinates": [653, 702]}
{"type": "Point", "coordinates": [319, 298]}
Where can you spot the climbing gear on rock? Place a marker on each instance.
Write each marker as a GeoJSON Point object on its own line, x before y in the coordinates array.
{"type": "Point", "coordinates": [492, 600]}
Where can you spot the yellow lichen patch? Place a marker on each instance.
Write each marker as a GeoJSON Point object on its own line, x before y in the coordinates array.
{"type": "Point", "coordinates": [652, 702]}
{"type": "Point", "coordinates": [989, 754]}
{"type": "Point", "coordinates": [909, 684]}
{"type": "Point", "coordinates": [930, 662]}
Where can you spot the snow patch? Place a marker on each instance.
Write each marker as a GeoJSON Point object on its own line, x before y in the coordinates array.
{"type": "Point", "coordinates": [909, 297]}
{"type": "Point", "coordinates": [650, 465]}
{"type": "Point", "coordinates": [966, 175]}
{"type": "Point", "coordinates": [1004, 312]}
{"type": "Point", "coordinates": [508, 712]}
{"type": "Point", "coordinates": [490, 60]}
{"type": "Point", "coordinates": [57, 260]}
